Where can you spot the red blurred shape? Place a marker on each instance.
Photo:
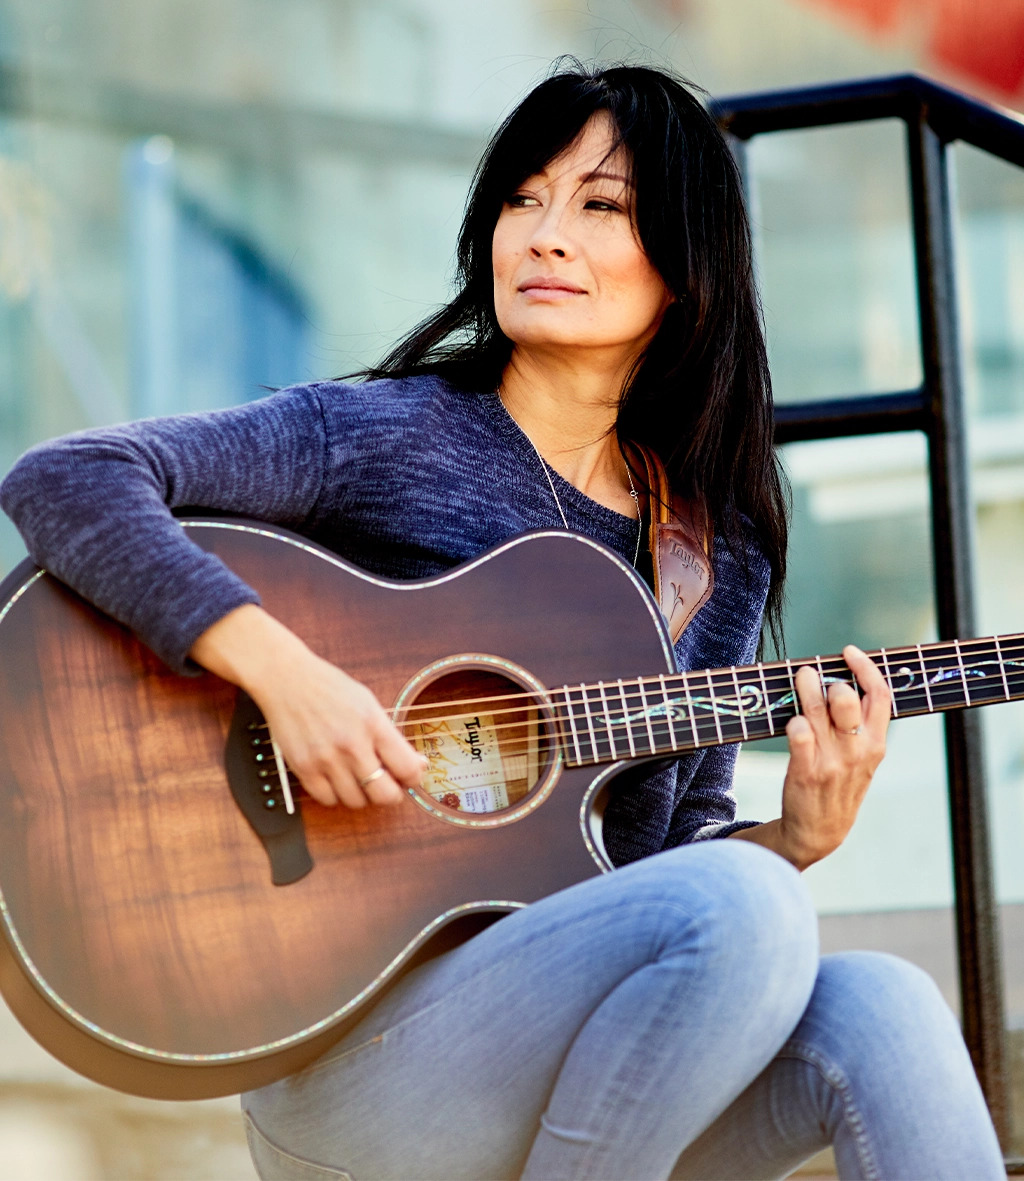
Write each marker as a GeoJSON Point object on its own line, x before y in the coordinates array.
{"type": "Point", "coordinates": [984, 41]}
{"type": "Point", "coordinates": [878, 15]}
{"type": "Point", "coordinates": [980, 39]}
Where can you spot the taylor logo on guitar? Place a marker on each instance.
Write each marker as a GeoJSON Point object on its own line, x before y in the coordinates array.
{"type": "Point", "coordinates": [179, 920]}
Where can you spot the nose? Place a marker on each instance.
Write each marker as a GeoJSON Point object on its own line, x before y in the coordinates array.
{"type": "Point", "coordinates": [550, 235]}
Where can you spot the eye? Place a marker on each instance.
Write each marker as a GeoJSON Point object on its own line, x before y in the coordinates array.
{"type": "Point", "coordinates": [520, 201]}
{"type": "Point", "coordinates": [602, 206]}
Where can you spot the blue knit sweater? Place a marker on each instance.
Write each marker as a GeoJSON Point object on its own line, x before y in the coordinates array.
{"type": "Point", "coordinates": [403, 478]}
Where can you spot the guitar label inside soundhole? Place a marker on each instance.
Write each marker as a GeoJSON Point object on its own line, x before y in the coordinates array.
{"type": "Point", "coordinates": [466, 770]}
{"type": "Point", "coordinates": [484, 755]}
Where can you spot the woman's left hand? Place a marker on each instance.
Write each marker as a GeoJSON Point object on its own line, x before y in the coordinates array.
{"type": "Point", "coordinates": [835, 746]}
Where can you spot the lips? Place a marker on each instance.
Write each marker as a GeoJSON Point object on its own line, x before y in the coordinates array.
{"type": "Point", "coordinates": [546, 283]}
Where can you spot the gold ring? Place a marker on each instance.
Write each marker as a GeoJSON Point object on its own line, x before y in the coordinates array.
{"type": "Point", "coordinates": [371, 777]}
{"type": "Point", "coordinates": [856, 730]}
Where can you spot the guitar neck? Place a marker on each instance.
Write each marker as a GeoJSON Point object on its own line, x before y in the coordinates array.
{"type": "Point", "coordinates": [671, 714]}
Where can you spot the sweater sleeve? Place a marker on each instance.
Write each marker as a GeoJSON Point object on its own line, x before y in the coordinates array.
{"type": "Point", "coordinates": [95, 508]}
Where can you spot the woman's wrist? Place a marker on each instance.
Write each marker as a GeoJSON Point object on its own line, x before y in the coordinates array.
{"type": "Point", "coordinates": [245, 647]}
{"type": "Point", "coordinates": [772, 835]}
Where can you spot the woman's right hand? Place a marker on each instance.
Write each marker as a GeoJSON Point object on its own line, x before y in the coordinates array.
{"type": "Point", "coordinates": [332, 731]}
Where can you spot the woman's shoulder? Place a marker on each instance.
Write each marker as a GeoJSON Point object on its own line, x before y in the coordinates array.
{"type": "Point", "coordinates": [395, 400]}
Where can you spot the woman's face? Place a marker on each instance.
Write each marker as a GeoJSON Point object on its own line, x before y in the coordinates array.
{"type": "Point", "coordinates": [569, 271]}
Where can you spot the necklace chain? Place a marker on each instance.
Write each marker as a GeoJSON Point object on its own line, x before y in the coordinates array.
{"type": "Point", "coordinates": [546, 469]}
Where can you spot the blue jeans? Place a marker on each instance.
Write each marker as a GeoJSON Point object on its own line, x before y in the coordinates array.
{"type": "Point", "coordinates": [670, 1019]}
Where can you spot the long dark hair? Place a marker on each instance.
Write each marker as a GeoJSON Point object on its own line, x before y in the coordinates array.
{"type": "Point", "coordinates": [700, 396]}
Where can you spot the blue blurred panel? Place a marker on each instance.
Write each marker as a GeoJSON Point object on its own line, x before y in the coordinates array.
{"type": "Point", "coordinates": [214, 323]}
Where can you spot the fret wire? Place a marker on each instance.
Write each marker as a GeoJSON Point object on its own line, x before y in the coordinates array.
{"type": "Point", "coordinates": [625, 718]}
{"type": "Point", "coordinates": [888, 681]}
{"type": "Point", "coordinates": [647, 716]}
{"type": "Point", "coordinates": [589, 718]}
{"type": "Point", "coordinates": [792, 685]}
{"type": "Point", "coordinates": [668, 712]}
{"type": "Point", "coordinates": [739, 703]}
{"type": "Point", "coordinates": [714, 705]}
{"type": "Point", "coordinates": [1002, 669]}
{"type": "Point", "coordinates": [572, 724]}
{"type": "Point", "coordinates": [924, 678]}
{"type": "Point", "coordinates": [963, 672]}
{"type": "Point", "coordinates": [647, 721]}
{"type": "Point", "coordinates": [767, 700]}
{"type": "Point", "coordinates": [821, 679]}
{"type": "Point", "coordinates": [607, 721]}
{"type": "Point", "coordinates": [690, 710]}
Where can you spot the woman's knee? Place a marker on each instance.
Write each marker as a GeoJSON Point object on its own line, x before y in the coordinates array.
{"type": "Point", "coordinates": [736, 900]}
{"type": "Point", "coordinates": [876, 1012]}
{"type": "Point", "coordinates": [887, 1055]}
{"type": "Point", "coordinates": [874, 988]}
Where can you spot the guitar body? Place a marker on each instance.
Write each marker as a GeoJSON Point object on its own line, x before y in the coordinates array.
{"type": "Point", "coordinates": [145, 943]}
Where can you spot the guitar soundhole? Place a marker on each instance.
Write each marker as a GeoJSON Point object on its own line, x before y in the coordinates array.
{"type": "Point", "coordinates": [488, 739]}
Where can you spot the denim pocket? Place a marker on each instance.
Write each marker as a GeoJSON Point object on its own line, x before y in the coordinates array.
{"type": "Point", "coordinates": [274, 1164]}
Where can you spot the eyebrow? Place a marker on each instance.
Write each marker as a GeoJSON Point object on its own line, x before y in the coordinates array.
{"type": "Point", "coordinates": [588, 176]}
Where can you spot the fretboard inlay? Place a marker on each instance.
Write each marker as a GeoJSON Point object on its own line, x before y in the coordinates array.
{"type": "Point", "coordinates": [671, 714]}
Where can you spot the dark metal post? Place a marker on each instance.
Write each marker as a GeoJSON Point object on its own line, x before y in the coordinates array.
{"type": "Point", "coordinates": [976, 917]}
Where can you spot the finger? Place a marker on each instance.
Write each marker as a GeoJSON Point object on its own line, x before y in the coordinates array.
{"type": "Point", "coordinates": [802, 744]}
{"type": "Point", "coordinates": [323, 790]}
{"type": "Point", "coordinates": [844, 708]}
{"type": "Point", "coordinates": [404, 763]}
{"type": "Point", "coordinates": [812, 700]}
{"type": "Point", "coordinates": [382, 789]}
{"type": "Point", "coordinates": [877, 701]}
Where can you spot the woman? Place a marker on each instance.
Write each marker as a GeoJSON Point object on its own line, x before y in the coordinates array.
{"type": "Point", "coordinates": [673, 1015]}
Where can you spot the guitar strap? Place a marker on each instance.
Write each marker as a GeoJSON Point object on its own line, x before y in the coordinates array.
{"type": "Point", "coordinates": [680, 537]}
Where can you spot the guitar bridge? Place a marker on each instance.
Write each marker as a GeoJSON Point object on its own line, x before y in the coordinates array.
{"type": "Point", "coordinates": [259, 783]}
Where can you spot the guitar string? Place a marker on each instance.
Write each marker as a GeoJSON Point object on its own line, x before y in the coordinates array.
{"type": "Point", "coordinates": [556, 731]}
{"type": "Point", "coordinates": [551, 736]}
{"type": "Point", "coordinates": [776, 673]}
{"type": "Point", "coordinates": [559, 733]}
{"type": "Point", "coordinates": [782, 667]}
{"type": "Point", "coordinates": [623, 699]}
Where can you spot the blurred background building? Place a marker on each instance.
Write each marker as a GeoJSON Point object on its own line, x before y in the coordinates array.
{"type": "Point", "coordinates": [201, 199]}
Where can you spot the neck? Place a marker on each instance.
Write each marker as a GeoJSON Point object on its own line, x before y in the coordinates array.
{"type": "Point", "coordinates": [569, 415]}
{"type": "Point", "coordinates": [669, 714]}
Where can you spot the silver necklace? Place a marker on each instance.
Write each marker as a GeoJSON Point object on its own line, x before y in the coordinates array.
{"type": "Point", "coordinates": [545, 468]}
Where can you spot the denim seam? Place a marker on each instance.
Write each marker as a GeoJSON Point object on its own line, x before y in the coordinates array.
{"type": "Point", "coordinates": [838, 1081]}
{"type": "Point", "coordinates": [341, 1174]}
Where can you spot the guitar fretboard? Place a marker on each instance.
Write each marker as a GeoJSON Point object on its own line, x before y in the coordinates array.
{"type": "Point", "coordinates": [670, 714]}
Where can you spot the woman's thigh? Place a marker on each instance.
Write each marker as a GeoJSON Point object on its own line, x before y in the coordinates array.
{"type": "Point", "coordinates": [449, 1074]}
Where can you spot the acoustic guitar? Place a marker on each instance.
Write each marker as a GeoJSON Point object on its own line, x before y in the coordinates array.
{"type": "Point", "coordinates": [180, 921]}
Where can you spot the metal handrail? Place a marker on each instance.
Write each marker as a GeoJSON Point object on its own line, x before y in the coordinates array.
{"type": "Point", "coordinates": [950, 113]}
{"type": "Point", "coordinates": [935, 116]}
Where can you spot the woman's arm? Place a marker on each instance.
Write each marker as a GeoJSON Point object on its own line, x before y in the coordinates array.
{"type": "Point", "coordinates": [331, 729]}
{"type": "Point", "coordinates": [95, 510]}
